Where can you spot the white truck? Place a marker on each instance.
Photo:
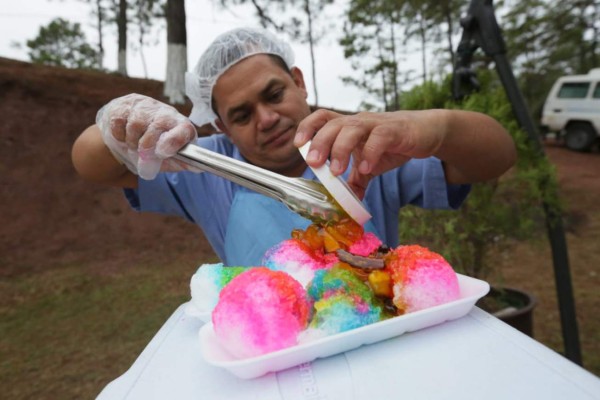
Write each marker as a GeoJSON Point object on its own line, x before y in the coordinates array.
{"type": "Point", "coordinates": [572, 110]}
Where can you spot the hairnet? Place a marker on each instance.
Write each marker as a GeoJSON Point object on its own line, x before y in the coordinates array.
{"type": "Point", "coordinates": [226, 50]}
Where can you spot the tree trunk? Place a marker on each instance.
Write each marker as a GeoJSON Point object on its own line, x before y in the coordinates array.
{"type": "Point", "coordinates": [595, 34]}
{"type": "Point", "coordinates": [422, 35]}
{"type": "Point", "coordinates": [122, 27]}
{"type": "Point", "coordinates": [143, 21]}
{"type": "Point", "coordinates": [449, 21]}
{"type": "Point", "coordinates": [381, 57]}
{"type": "Point", "coordinates": [100, 12]}
{"type": "Point", "coordinates": [176, 52]}
{"type": "Point", "coordinates": [395, 88]}
{"type": "Point", "coordinates": [312, 50]}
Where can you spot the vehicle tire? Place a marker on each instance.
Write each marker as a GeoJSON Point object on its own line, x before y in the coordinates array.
{"type": "Point", "coordinates": [580, 137]}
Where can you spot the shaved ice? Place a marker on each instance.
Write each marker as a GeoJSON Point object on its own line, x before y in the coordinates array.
{"type": "Point", "coordinates": [260, 311]}
{"type": "Point", "coordinates": [325, 280]}
{"type": "Point", "coordinates": [421, 278]}
{"type": "Point", "coordinates": [341, 302]}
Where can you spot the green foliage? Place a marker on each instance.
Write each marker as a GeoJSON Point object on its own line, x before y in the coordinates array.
{"type": "Point", "coordinates": [495, 213]}
{"type": "Point", "coordinates": [428, 95]}
{"type": "Point", "coordinates": [63, 44]}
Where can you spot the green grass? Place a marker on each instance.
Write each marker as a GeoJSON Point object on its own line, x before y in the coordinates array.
{"type": "Point", "coordinates": [66, 333]}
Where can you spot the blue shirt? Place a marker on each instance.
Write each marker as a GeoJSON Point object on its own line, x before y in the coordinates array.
{"type": "Point", "coordinates": [205, 199]}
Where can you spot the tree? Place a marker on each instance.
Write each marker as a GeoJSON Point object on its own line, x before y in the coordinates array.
{"type": "Point", "coordinates": [99, 13]}
{"type": "Point", "coordinates": [176, 51]}
{"type": "Point", "coordinates": [550, 38]}
{"type": "Point", "coordinates": [371, 41]}
{"type": "Point", "coordinates": [112, 11]}
{"type": "Point", "coordinates": [144, 14]}
{"type": "Point", "coordinates": [297, 29]}
{"type": "Point", "coordinates": [447, 17]}
{"type": "Point", "coordinates": [122, 37]}
{"type": "Point", "coordinates": [126, 13]}
{"type": "Point", "coordinates": [62, 43]}
{"type": "Point", "coordinates": [417, 11]}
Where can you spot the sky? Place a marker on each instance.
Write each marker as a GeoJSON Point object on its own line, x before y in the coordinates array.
{"type": "Point", "coordinates": [21, 21]}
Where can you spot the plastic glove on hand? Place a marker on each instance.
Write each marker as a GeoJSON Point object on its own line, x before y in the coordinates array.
{"type": "Point", "coordinates": [144, 133]}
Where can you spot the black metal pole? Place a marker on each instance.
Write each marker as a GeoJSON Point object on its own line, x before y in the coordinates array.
{"type": "Point", "coordinates": [556, 234]}
{"type": "Point", "coordinates": [481, 30]}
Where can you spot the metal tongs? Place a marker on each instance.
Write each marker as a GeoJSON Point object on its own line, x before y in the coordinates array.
{"type": "Point", "coordinates": [307, 198]}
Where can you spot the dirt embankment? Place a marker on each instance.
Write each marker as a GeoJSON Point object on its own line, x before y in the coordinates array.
{"type": "Point", "coordinates": [49, 214]}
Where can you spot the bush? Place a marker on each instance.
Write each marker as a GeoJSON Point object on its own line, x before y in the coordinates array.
{"type": "Point", "coordinates": [495, 212]}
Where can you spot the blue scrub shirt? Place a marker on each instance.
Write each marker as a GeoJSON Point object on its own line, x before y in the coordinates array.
{"type": "Point", "coordinates": [206, 199]}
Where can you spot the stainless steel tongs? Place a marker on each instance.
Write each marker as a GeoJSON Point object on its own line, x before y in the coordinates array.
{"type": "Point", "coordinates": [307, 198]}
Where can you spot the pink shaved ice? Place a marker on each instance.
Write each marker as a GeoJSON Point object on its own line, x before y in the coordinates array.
{"type": "Point", "coordinates": [260, 311]}
{"type": "Point", "coordinates": [421, 278]}
{"type": "Point", "coordinates": [366, 245]}
{"type": "Point", "coordinates": [298, 260]}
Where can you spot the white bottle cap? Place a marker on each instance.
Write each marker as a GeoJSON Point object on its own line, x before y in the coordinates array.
{"type": "Point", "coordinates": [340, 190]}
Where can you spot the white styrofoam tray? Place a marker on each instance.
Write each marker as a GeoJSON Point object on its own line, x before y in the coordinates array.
{"type": "Point", "coordinates": [471, 290]}
{"type": "Point", "coordinates": [193, 311]}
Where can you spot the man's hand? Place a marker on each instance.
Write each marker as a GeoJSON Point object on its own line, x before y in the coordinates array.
{"type": "Point", "coordinates": [377, 141]}
{"type": "Point", "coordinates": [142, 133]}
{"type": "Point", "coordinates": [473, 146]}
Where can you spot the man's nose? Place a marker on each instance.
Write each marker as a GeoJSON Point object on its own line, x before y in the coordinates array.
{"type": "Point", "coordinates": [267, 117]}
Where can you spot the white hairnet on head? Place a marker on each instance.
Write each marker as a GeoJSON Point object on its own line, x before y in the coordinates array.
{"type": "Point", "coordinates": [226, 50]}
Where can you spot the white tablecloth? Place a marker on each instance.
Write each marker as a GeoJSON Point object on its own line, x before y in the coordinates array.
{"type": "Point", "coordinates": [474, 357]}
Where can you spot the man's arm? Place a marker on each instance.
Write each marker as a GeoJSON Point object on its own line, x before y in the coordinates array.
{"type": "Point", "coordinates": [472, 146]}
{"type": "Point", "coordinates": [94, 162]}
{"type": "Point", "coordinates": [475, 148]}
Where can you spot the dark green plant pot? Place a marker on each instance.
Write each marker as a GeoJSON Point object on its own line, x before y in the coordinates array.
{"type": "Point", "coordinates": [513, 306]}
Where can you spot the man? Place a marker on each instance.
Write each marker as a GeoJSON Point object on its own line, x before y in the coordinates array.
{"type": "Point", "coordinates": [245, 84]}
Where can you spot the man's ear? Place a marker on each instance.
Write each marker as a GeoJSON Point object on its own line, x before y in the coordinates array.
{"type": "Point", "coordinates": [298, 78]}
{"type": "Point", "coordinates": [221, 126]}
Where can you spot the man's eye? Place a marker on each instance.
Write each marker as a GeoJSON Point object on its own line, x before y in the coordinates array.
{"type": "Point", "coordinates": [241, 118]}
{"type": "Point", "coordinates": [276, 95]}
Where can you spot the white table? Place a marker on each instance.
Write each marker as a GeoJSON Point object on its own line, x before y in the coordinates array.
{"type": "Point", "coordinates": [474, 357]}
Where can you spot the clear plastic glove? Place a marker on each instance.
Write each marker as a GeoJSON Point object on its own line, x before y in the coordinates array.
{"type": "Point", "coordinates": [144, 133]}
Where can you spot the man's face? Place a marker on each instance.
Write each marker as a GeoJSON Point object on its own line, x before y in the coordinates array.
{"type": "Point", "coordinates": [260, 106]}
